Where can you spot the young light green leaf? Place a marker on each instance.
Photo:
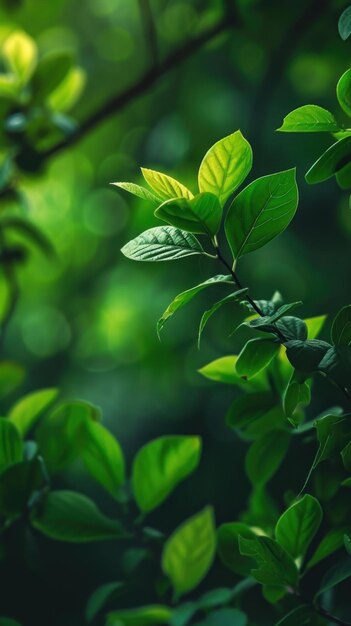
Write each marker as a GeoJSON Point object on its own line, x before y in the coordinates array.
{"type": "Point", "coordinates": [265, 455]}
{"type": "Point", "coordinates": [99, 598]}
{"type": "Point", "coordinates": [315, 325]}
{"type": "Point", "coordinates": [183, 298]}
{"type": "Point", "coordinates": [162, 243]}
{"type": "Point", "coordinates": [11, 377]}
{"type": "Point", "coordinates": [341, 327]}
{"type": "Point", "coordinates": [255, 356]}
{"type": "Point", "coordinates": [309, 118]}
{"type": "Point", "coordinates": [103, 457]}
{"type": "Point", "coordinates": [332, 542]}
{"type": "Point", "coordinates": [70, 516]}
{"type": "Point", "coordinates": [344, 24]}
{"type": "Point", "coordinates": [165, 186]}
{"type": "Point", "coordinates": [201, 214]}
{"type": "Point", "coordinates": [298, 525]}
{"type": "Point", "coordinates": [28, 409]}
{"type": "Point", "coordinates": [331, 162]}
{"type": "Point", "coordinates": [161, 465]}
{"type": "Point", "coordinates": [228, 547]}
{"type": "Point", "coordinates": [223, 370]}
{"type": "Point", "coordinates": [225, 166]}
{"type": "Point", "coordinates": [274, 565]}
{"type": "Point", "coordinates": [233, 297]}
{"type": "Point", "coordinates": [261, 211]}
{"type": "Point", "coordinates": [140, 192]}
{"type": "Point", "coordinates": [343, 92]}
{"type": "Point", "coordinates": [11, 446]}
{"type": "Point", "coordinates": [142, 616]}
{"type": "Point", "coordinates": [68, 91]}
{"type": "Point", "coordinates": [189, 552]}
{"type": "Point", "coordinates": [20, 55]}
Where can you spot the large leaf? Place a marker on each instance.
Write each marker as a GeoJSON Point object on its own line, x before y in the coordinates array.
{"type": "Point", "coordinates": [160, 465]}
{"type": "Point", "coordinates": [70, 516]}
{"type": "Point", "coordinates": [162, 243]}
{"type": "Point", "coordinates": [228, 547]}
{"type": "Point", "coordinates": [343, 92]}
{"type": "Point", "coordinates": [165, 186]}
{"type": "Point", "coordinates": [28, 409]}
{"type": "Point", "coordinates": [20, 55]}
{"type": "Point", "coordinates": [139, 191]}
{"type": "Point", "coordinates": [265, 455]}
{"type": "Point", "coordinates": [103, 457]}
{"type": "Point", "coordinates": [341, 327]}
{"type": "Point", "coordinates": [201, 214]}
{"type": "Point", "coordinates": [189, 552]}
{"type": "Point", "coordinates": [274, 565]}
{"type": "Point", "coordinates": [298, 525]}
{"type": "Point", "coordinates": [142, 616]}
{"type": "Point", "coordinates": [183, 298]}
{"type": "Point", "coordinates": [68, 91]}
{"type": "Point", "coordinates": [261, 211]}
{"type": "Point", "coordinates": [11, 446]}
{"type": "Point", "coordinates": [223, 370]}
{"type": "Point", "coordinates": [233, 297]}
{"type": "Point", "coordinates": [255, 356]}
{"type": "Point", "coordinates": [344, 24]}
{"type": "Point", "coordinates": [331, 162]}
{"type": "Point", "coordinates": [309, 118]}
{"type": "Point", "coordinates": [225, 166]}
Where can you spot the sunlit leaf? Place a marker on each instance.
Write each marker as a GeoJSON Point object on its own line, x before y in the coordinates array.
{"type": "Point", "coordinates": [162, 243]}
{"type": "Point", "coordinates": [138, 191]}
{"type": "Point", "coordinates": [165, 186]}
{"type": "Point", "coordinates": [223, 370]}
{"type": "Point", "coordinates": [201, 214]}
{"type": "Point", "coordinates": [298, 525]}
{"type": "Point", "coordinates": [20, 55]}
{"type": "Point", "coordinates": [308, 119]}
{"type": "Point", "coordinates": [343, 90]}
{"type": "Point", "coordinates": [66, 94]}
{"type": "Point", "coordinates": [29, 408]}
{"type": "Point", "coordinates": [103, 457]}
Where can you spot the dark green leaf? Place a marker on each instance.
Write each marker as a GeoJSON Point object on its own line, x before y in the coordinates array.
{"type": "Point", "coordinates": [331, 162]}
{"type": "Point", "coordinates": [301, 616]}
{"type": "Point", "coordinates": [337, 574]}
{"type": "Point", "coordinates": [255, 356]}
{"type": "Point", "coordinates": [341, 327]}
{"type": "Point", "coordinates": [233, 297]}
{"type": "Point", "coordinates": [100, 597]}
{"type": "Point", "coordinates": [274, 565]}
{"type": "Point", "coordinates": [31, 233]}
{"type": "Point", "coordinates": [201, 214]}
{"type": "Point", "coordinates": [11, 446]}
{"type": "Point", "coordinates": [11, 376]}
{"type": "Point", "coordinates": [306, 356]}
{"type": "Point", "coordinates": [309, 118]}
{"type": "Point", "coordinates": [249, 407]}
{"type": "Point", "coordinates": [298, 525]}
{"type": "Point", "coordinates": [297, 395]}
{"type": "Point", "coordinates": [333, 432]}
{"type": "Point", "coordinates": [17, 484]}
{"type": "Point", "coordinates": [162, 243]}
{"type": "Point", "coordinates": [292, 328]}
{"type": "Point", "coordinates": [330, 543]}
{"type": "Point", "coordinates": [224, 617]}
{"type": "Point", "coordinates": [215, 597]}
{"type": "Point", "coordinates": [51, 70]}
{"type": "Point", "coordinates": [265, 455]}
{"type": "Point", "coordinates": [344, 24]}
{"type": "Point", "coordinates": [336, 363]}
{"type": "Point", "coordinates": [228, 547]}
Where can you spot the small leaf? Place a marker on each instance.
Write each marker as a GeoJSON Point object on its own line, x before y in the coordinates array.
{"type": "Point", "coordinates": [103, 457]}
{"type": "Point", "coordinates": [333, 433]}
{"type": "Point", "coordinates": [139, 191]}
{"type": "Point", "coordinates": [11, 447]}
{"type": "Point", "coordinates": [274, 565]}
{"type": "Point", "coordinates": [337, 574]}
{"type": "Point", "coordinates": [28, 409]}
{"type": "Point", "coordinates": [20, 55]}
{"type": "Point", "coordinates": [233, 297]}
{"type": "Point", "coordinates": [341, 327]}
{"type": "Point", "coordinates": [255, 356]}
{"type": "Point", "coordinates": [11, 377]}
{"type": "Point", "coordinates": [66, 94]}
{"type": "Point", "coordinates": [201, 214]}
{"type": "Point", "coordinates": [267, 322]}
{"type": "Point", "coordinates": [228, 547]}
{"type": "Point", "coordinates": [298, 525]}
{"type": "Point", "coordinates": [50, 72]}
{"type": "Point", "coordinates": [183, 298]}
{"type": "Point", "coordinates": [70, 516]}
{"type": "Point", "coordinates": [331, 162]}
{"type": "Point", "coordinates": [330, 543]}
{"type": "Point", "coordinates": [165, 186]}
{"type": "Point", "coordinates": [261, 211]}
{"type": "Point", "coordinates": [142, 616]}
{"type": "Point", "coordinates": [309, 118]}
{"type": "Point", "coordinates": [222, 370]}
{"type": "Point", "coordinates": [162, 243]}
{"type": "Point", "coordinates": [225, 166]}
{"type": "Point", "coordinates": [161, 465]}
{"type": "Point", "coordinates": [99, 598]}
{"type": "Point", "coordinates": [265, 455]}
{"type": "Point", "coordinates": [189, 552]}
{"type": "Point", "coordinates": [344, 24]}
{"type": "Point", "coordinates": [343, 90]}
{"type": "Point", "coordinates": [296, 396]}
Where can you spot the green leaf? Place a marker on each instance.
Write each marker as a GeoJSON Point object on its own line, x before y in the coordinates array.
{"type": "Point", "coordinates": [161, 465]}
{"type": "Point", "coordinates": [162, 243]}
{"type": "Point", "coordinates": [183, 298]}
{"type": "Point", "coordinates": [343, 92]}
{"type": "Point", "coordinates": [233, 297]}
{"type": "Point", "coordinates": [330, 543]}
{"type": "Point", "coordinates": [29, 408]}
{"type": "Point", "coordinates": [296, 396]}
{"type": "Point", "coordinates": [165, 186]}
{"type": "Point", "coordinates": [333, 433]}
{"type": "Point", "coordinates": [341, 327]}
{"type": "Point", "coordinates": [265, 455]}
{"type": "Point", "coordinates": [7, 621]}
{"type": "Point", "coordinates": [268, 322]}
{"type": "Point", "coordinates": [292, 327]}
{"type": "Point", "coordinates": [309, 118]}
{"type": "Point", "coordinates": [189, 552]}
{"type": "Point", "coordinates": [103, 457]}
{"type": "Point", "coordinates": [331, 162]}
{"type": "Point", "coordinates": [215, 597]}
{"type": "Point", "coordinates": [302, 615]}
{"type": "Point", "coordinates": [249, 407]}
{"type": "Point", "coordinates": [298, 525]}
{"type": "Point", "coordinates": [70, 516]}
{"type": "Point", "coordinates": [261, 211]}
{"type": "Point", "coordinates": [11, 377]}
{"type": "Point", "coordinates": [306, 356]}
{"type": "Point", "coordinates": [314, 325]}
{"type": "Point", "coordinates": [344, 24]}
{"type": "Point", "coordinates": [68, 91]}
{"type": "Point", "coordinates": [337, 574]}
{"type": "Point", "coordinates": [228, 547]}
{"type": "Point", "coordinates": [225, 166]}
{"type": "Point", "coordinates": [343, 177]}
{"type": "Point", "coordinates": [51, 71]}
{"type": "Point", "coordinates": [222, 370]}
{"type": "Point", "coordinates": [336, 363]}
{"type": "Point", "coordinates": [20, 55]}
{"type": "Point", "coordinates": [17, 484]}
{"type": "Point", "coordinates": [139, 191]}
{"type": "Point", "coordinates": [11, 446]}
{"type": "Point", "coordinates": [141, 616]}
{"type": "Point", "coordinates": [255, 356]}
{"type": "Point", "coordinates": [224, 617]}
{"type": "Point", "coordinates": [99, 597]}
{"type": "Point", "coordinates": [274, 565]}
{"type": "Point", "coordinates": [273, 594]}
{"type": "Point", "coordinates": [201, 214]}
